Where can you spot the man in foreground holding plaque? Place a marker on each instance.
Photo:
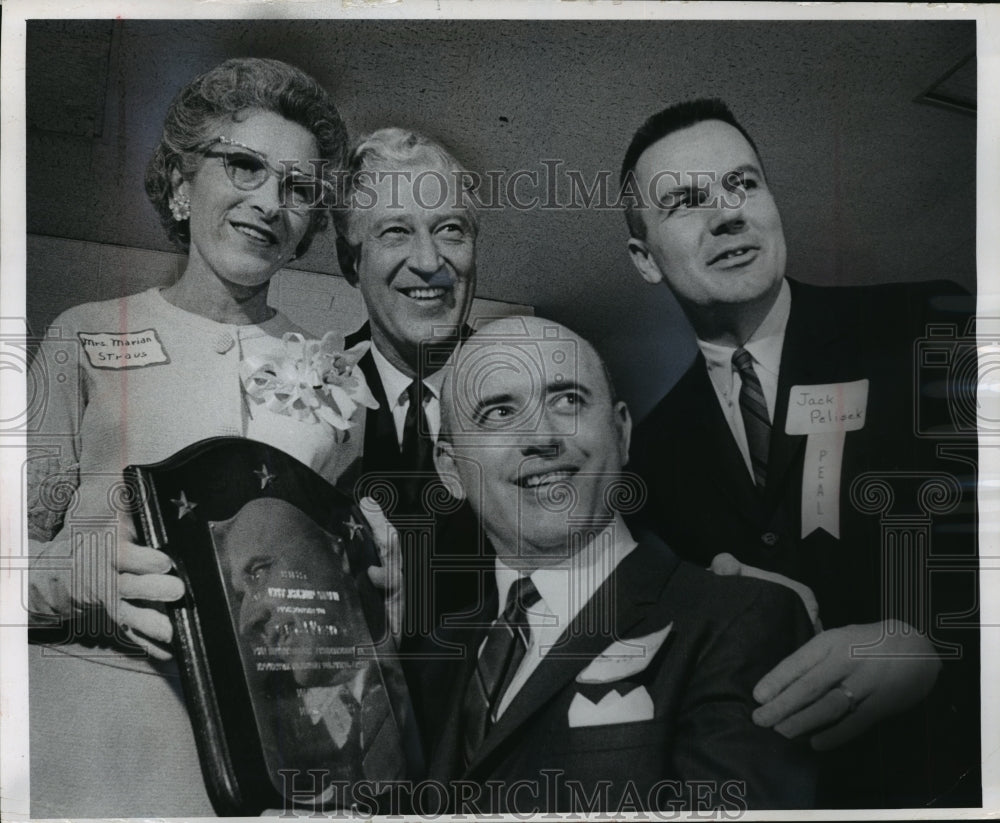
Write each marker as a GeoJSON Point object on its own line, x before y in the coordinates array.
{"type": "Point", "coordinates": [799, 442]}
{"type": "Point", "coordinates": [620, 671]}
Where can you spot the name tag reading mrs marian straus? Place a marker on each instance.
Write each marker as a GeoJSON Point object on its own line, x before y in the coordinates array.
{"type": "Point", "coordinates": [123, 350]}
{"type": "Point", "coordinates": [824, 413]}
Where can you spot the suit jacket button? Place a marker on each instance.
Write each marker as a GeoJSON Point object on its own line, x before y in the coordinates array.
{"type": "Point", "coordinates": [769, 538]}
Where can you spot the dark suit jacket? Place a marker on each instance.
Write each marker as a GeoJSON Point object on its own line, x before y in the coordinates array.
{"type": "Point", "coordinates": [381, 454]}
{"type": "Point", "coordinates": [447, 560]}
{"type": "Point", "coordinates": [724, 634]}
{"type": "Point", "coordinates": [702, 500]}
{"type": "Point", "coordinates": [444, 533]}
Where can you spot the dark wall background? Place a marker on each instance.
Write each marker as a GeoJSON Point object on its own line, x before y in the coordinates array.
{"type": "Point", "coordinates": [873, 184]}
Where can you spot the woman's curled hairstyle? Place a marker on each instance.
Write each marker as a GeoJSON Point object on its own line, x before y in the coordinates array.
{"type": "Point", "coordinates": [234, 87]}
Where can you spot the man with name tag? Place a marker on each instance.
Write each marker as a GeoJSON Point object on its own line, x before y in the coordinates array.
{"type": "Point", "coordinates": [606, 675]}
{"type": "Point", "coordinates": [798, 443]}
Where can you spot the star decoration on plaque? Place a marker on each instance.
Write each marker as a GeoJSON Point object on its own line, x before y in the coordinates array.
{"type": "Point", "coordinates": [264, 473]}
{"type": "Point", "coordinates": [184, 506]}
{"type": "Point", "coordinates": [353, 527]}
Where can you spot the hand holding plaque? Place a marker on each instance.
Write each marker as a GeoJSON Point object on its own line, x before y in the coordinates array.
{"type": "Point", "coordinates": [388, 575]}
{"type": "Point", "coordinates": [68, 578]}
{"type": "Point", "coordinates": [283, 637]}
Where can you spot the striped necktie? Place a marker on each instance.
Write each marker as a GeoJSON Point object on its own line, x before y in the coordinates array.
{"type": "Point", "coordinates": [499, 657]}
{"type": "Point", "coordinates": [756, 421]}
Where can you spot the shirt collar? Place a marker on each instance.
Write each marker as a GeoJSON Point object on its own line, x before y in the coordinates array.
{"type": "Point", "coordinates": [567, 586]}
{"type": "Point", "coordinates": [765, 343]}
{"type": "Point", "coordinates": [396, 383]}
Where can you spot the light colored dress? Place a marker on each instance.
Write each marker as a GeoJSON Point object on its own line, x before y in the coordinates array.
{"type": "Point", "coordinates": [133, 381]}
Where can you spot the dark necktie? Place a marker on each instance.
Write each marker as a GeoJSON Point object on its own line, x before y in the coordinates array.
{"type": "Point", "coordinates": [499, 657]}
{"type": "Point", "coordinates": [417, 450]}
{"type": "Point", "coordinates": [756, 422]}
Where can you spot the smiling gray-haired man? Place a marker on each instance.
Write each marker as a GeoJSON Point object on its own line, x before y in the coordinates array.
{"type": "Point", "coordinates": [407, 240]}
{"type": "Point", "coordinates": [407, 234]}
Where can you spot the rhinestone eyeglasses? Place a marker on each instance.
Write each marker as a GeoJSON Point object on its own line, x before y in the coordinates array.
{"type": "Point", "coordinates": [248, 170]}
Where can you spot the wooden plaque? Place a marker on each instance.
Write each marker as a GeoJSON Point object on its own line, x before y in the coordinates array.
{"type": "Point", "coordinates": [290, 677]}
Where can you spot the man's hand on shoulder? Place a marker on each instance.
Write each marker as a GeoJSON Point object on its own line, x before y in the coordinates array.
{"type": "Point", "coordinates": [846, 680]}
{"type": "Point", "coordinates": [727, 565]}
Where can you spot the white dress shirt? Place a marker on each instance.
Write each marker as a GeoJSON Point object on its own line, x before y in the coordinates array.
{"type": "Point", "coordinates": [564, 588]}
{"type": "Point", "coordinates": [764, 346]}
{"type": "Point", "coordinates": [396, 383]}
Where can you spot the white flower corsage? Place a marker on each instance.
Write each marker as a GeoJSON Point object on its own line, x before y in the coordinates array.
{"type": "Point", "coordinates": [310, 381]}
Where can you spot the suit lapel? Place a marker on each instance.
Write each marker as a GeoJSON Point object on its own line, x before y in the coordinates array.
{"type": "Point", "coordinates": [628, 594]}
{"type": "Point", "coordinates": [721, 460]}
{"type": "Point", "coordinates": [447, 758]}
{"type": "Point", "coordinates": [381, 450]}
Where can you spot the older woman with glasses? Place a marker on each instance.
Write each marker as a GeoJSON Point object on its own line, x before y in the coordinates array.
{"type": "Point", "coordinates": [238, 179]}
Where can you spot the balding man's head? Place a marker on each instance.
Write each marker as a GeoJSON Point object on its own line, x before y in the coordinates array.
{"type": "Point", "coordinates": [532, 436]}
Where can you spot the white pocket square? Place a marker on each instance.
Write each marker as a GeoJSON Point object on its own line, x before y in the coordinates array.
{"type": "Point", "coordinates": [624, 658]}
{"type": "Point", "coordinates": [612, 708]}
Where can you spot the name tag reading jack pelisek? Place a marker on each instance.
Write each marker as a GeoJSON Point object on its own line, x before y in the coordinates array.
{"type": "Point", "coordinates": [824, 413]}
